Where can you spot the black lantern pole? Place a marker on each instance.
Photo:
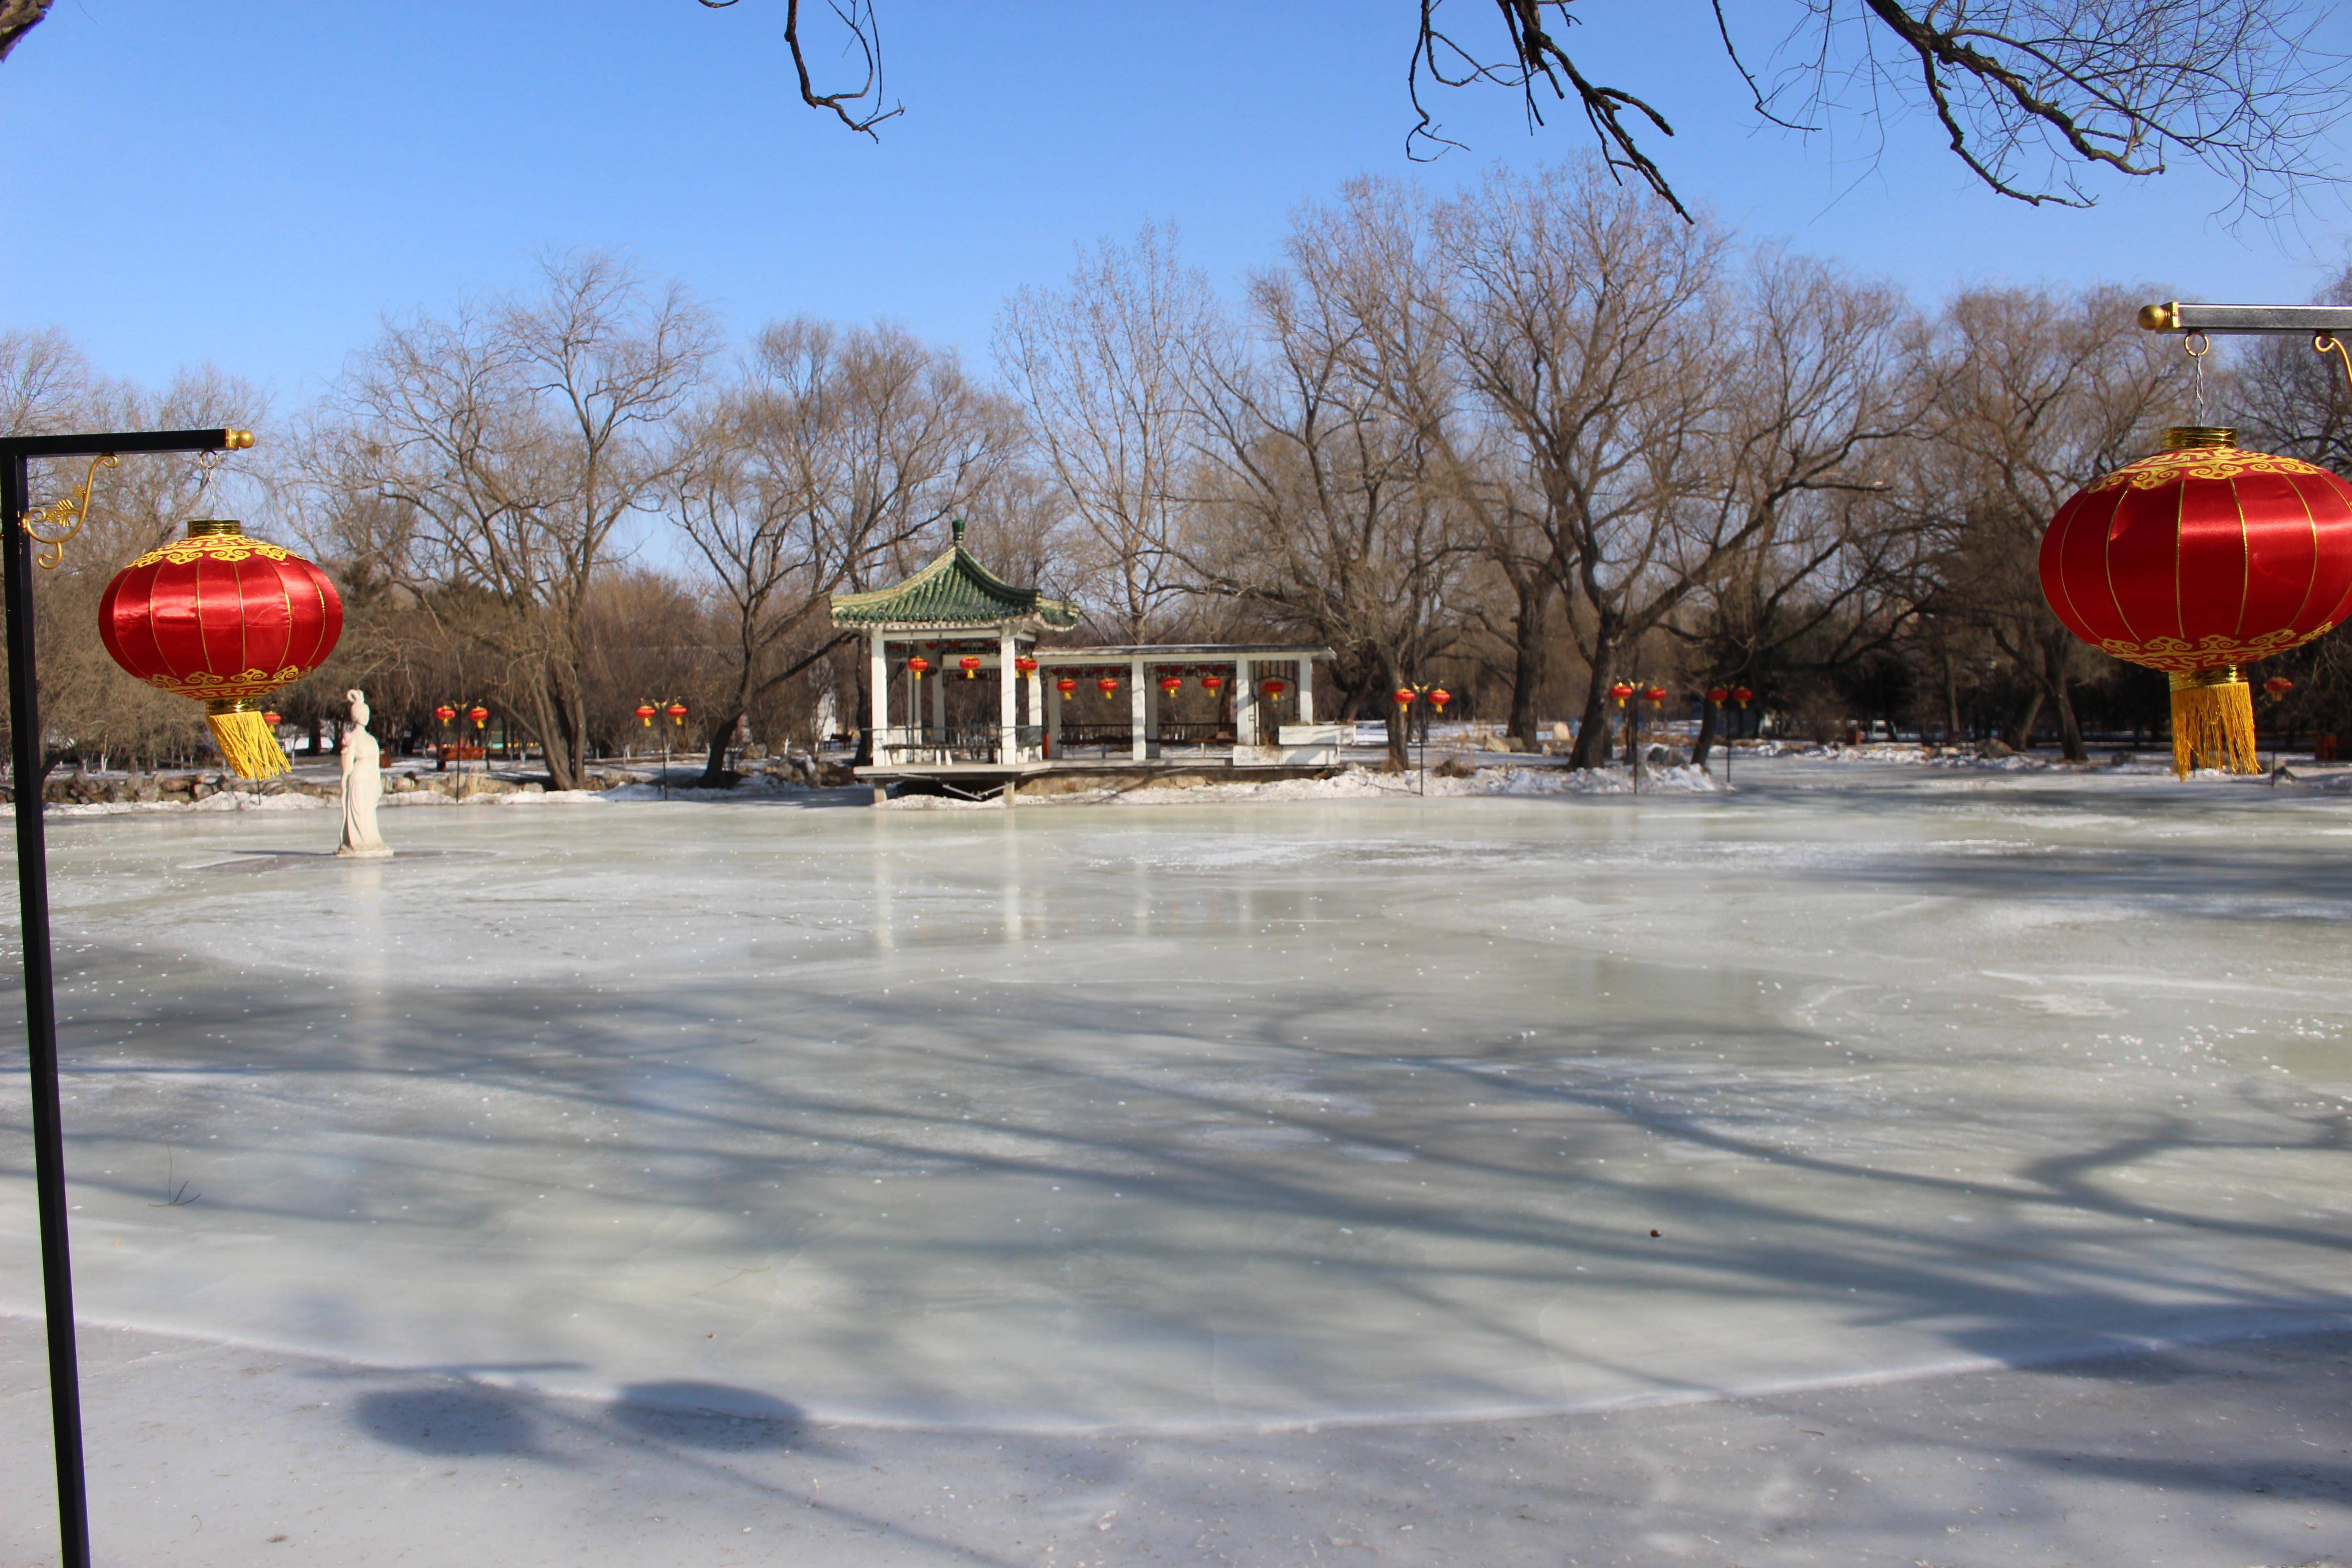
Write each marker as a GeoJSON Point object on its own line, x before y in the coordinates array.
{"type": "Point", "coordinates": [32, 898]}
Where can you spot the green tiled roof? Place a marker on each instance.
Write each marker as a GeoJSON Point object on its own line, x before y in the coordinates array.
{"type": "Point", "coordinates": [953, 591]}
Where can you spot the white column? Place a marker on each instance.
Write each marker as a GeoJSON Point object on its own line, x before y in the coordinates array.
{"type": "Point", "coordinates": [1138, 718]}
{"type": "Point", "coordinates": [1151, 707]}
{"type": "Point", "coordinates": [939, 680]}
{"type": "Point", "coordinates": [1037, 696]}
{"type": "Point", "coordinates": [878, 678]}
{"type": "Point", "coordinates": [1008, 713]}
{"type": "Point", "coordinates": [1245, 703]}
{"type": "Point", "coordinates": [1306, 691]}
{"type": "Point", "coordinates": [1054, 722]}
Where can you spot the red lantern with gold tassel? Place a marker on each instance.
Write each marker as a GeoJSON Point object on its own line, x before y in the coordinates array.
{"type": "Point", "coordinates": [223, 619]}
{"type": "Point", "coordinates": [1067, 686]}
{"type": "Point", "coordinates": [2198, 560]}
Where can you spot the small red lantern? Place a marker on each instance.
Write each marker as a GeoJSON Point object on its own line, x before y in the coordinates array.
{"type": "Point", "coordinates": [1212, 684]}
{"type": "Point", "coordinates": [676, 713]}
{"type": "Point", "coordinates": [480, 716]}
{"type": "Point", "coordinates": [1716, 694]}
{"type": "Point", "coordinates": [1024, 665]}
{"type": "Point", "coordinates": [1171, 684]}
{"type": "Point", "coordinates": [1655, 695]}
{"type": "Point", "coordinates": [223, 618]}
{"type": "Point", "coordinates": [1066, 687]}
{"type": "Point", "coordinates": [2195, 561]}
{"type": "Point", "coordinates": [1403, 695]}
{"type": "Point", "coordinates": [1740, 694]}
{"type": "Point", "coordinates": [970, 665]}
{"type": "Point", "coordinates": [273, 720]}
{"type": "Point", "coordinates": [2277, 686]}
{"type": "Point", "coordinates": [646, 714]}
{"type": "Point", "coordinates": [919, 667]}
{"type": "Point", "coordinates": [1107, 685]}
{"type": "Point", "coordinates": [1621, 691]}
{"type": "Point", "coordinates": [1273, 686]}
{"type": "Point", "coordinates": [445, 713]}
{"type": "Point", "coordinates": [1440, 698]}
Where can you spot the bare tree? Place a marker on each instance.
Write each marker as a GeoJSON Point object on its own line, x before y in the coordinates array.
{"type": "Point", "coordinates": [1320, 503]}
{"type": "Point", "coordinates": [2037, 395]}
{"type": "Point", "coordinates": [511, 442]}
{"type": "Point", "coordinates": [1104, 367]}
{"type": "Point", "coordinates": [833, 455]}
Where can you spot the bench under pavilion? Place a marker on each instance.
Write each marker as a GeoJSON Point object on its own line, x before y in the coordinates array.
{"type": "Point", "coordinates": [941, 641]}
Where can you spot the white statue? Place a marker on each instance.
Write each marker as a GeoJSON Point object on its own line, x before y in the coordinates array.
{"type": "Point", "coordinates": [363, 784]}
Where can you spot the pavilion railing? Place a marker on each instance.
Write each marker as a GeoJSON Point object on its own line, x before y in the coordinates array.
{"type": "Point", "coordinates": [920, 746]}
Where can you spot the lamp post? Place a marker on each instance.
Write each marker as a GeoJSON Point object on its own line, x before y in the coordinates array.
{"type": "Point", "coordinates": [18, 520]}
{"type": "Point", "coordinates": [482, 716]}
{"type": "Point", "coordinates": [2276, 688]}
{"type": "Point", "coordinates": [444, 715]}
{"type": "Point", "coordinates": [1739, 694]}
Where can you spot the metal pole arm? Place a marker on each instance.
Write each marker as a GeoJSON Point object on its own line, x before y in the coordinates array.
{"type": "Point", "coordinates": [91, 445]}
{"type": "Point", "coordinates": [2173, 316]}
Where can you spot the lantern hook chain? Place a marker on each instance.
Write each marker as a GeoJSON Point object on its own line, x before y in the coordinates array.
{"type": "Point", "coordinates": [2327, 343]}
{"type": "Point", "coordinates": [64, 517]}
{"type": "Point", "coordinates": [2197, 346]}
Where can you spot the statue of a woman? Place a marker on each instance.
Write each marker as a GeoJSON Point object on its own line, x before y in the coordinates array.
{"type": "Point", "coordinates": [363, 784]}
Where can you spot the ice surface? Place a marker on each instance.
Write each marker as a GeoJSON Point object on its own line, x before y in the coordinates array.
{"type": "Point", "coordinates": [1229, 1115]}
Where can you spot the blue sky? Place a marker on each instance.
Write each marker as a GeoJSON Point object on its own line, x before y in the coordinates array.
{"type": "Point", "coordinates": [254, 184]}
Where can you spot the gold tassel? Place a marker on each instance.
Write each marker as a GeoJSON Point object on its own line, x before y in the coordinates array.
{"type": "Point", "coordinates": [245, 738]}
{"type": "Point", "coordinates": [2214, 722]}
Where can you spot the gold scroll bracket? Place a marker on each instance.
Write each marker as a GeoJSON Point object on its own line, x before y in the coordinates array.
{"type": "Point", "coordinates": [2327, 343]}
{"type": "Point", "coordinates": [63, 519]}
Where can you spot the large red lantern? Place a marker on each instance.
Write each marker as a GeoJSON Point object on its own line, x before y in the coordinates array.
{"type": "Point", "coordinates": [223, 618]}
{"type": "Point", "coordinates": [2196, 561]}
{"type": "Point", "coordinates": [919, 667]}
{"type": "Point", "coordinates": [970, 665]}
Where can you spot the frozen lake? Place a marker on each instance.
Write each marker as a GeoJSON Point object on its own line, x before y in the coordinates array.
{"type": "Point", "coordinates": [1213, 1116]}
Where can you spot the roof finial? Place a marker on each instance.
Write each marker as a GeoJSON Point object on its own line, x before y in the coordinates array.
{"type": "Point", "coordinates": [957, 526]}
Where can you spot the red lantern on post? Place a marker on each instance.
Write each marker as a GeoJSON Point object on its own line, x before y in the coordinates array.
{"type": "Point", "coordinates": [1066, 687]}
{"type": "Point", "coordinates": [223, 619]}
{"type": "Point", "coordinates": [1439, 697]}
{"type": "Point", "coordinates": [273, 720]}
{"type": "Point", "coordinates": [646, 714]}
{"type": "Point", "coordinates": [2277, 687]}
{"type": "Point", "coordinates": [480, 716]}
{"type": "Point", "coordinates": [446, 714]}
{"type": "Point", "coordinates": [1717, 695]}
{"type": "Point", "coordinates": [1655, 695]}
{"type": "Point", "coordinates": [1740, 694]}
{"type": "Point", "coordinates": [1403, 696]}
{"type": "Point", "coordinates": [970, 665]}
{"type": "Point", "coordinates": [676, 714]}
{"type": "Point", "coordinates": [2198, 560]}
{"type": "Point", "coordinates": [919, 667]}
{"type": "Point", "coordinates": [1622, 691]}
